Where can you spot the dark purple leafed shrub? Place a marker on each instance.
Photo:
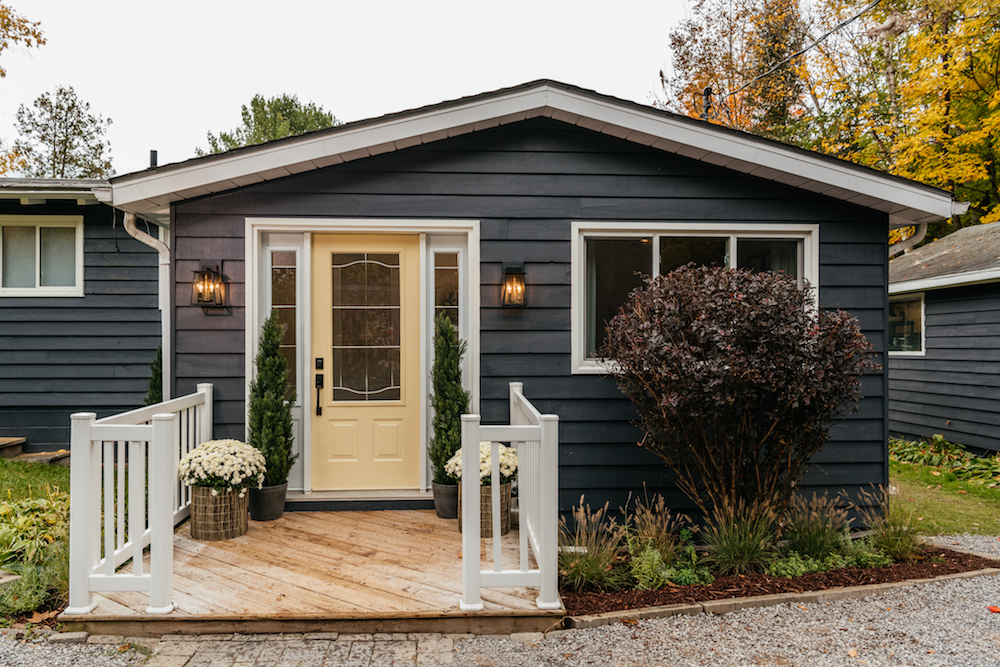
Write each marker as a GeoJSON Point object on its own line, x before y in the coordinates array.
{"type": "Point", "coordinates": [736, 378]}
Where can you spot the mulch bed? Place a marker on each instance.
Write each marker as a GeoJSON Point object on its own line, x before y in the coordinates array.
{"type": "Point", "coordinates": [932, 562]}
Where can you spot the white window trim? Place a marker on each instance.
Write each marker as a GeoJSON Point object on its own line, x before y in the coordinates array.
{"type": "Point", "coordinates": [37, 221]}
{"type": "Point", "coordinates": [580, 365]}
{"type": "Point", "coordinates": [923, 326]}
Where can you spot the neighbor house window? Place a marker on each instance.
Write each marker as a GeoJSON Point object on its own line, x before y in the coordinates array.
{"type": "Point", "coordinates": [610, 261]}
{"type": "Point", "coordinates": [906, 324]}
{"type": "Point", "coordinates": [41, 256]}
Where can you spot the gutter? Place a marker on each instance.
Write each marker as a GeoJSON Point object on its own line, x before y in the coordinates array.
{"type": "Point", "coordinates": [163, 283]}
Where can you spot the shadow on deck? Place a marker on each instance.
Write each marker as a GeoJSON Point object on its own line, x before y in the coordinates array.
{"type": "Point", "coordinates": [385, 571]}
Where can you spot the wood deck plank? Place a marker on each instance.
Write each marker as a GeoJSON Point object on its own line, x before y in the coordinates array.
{"type": "Point", "coordinates": [387, 563]}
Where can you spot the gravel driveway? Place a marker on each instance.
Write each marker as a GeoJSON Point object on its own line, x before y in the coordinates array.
{"type": "Point", "coordinates": [943, 623]}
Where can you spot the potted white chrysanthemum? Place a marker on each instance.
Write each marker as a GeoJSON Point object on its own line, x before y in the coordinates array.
{"type": "Point", "coordinates": [219, 472]}
{"type": "Point", "coordinates": [508, 471]}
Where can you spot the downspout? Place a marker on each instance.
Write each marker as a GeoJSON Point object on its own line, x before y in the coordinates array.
{"type": "Point", "coordinates": [904, 246]}
{"type": "Point", "coordinates": [163, 283]}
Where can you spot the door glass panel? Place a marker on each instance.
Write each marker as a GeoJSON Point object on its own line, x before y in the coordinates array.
{"type": "Point", "coordinates": [283, 295]}
{"type": "Point", "coordinates": [366, 327]}
{"type": "Point", "coordinates": [446, 285]}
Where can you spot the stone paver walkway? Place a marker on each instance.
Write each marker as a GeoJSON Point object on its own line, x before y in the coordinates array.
{"type": "Point", "coordinates": [319, 649]}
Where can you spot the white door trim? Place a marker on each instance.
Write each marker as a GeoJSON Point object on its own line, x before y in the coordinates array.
{"type": "Point", "coordinates": [253, 249]}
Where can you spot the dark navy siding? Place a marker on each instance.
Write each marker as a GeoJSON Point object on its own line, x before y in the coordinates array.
{"type": "Point", "coordinates": [955, 388]}
{"type": "Point", "coordinates": [64, 355]}
{"type": "Point", "coordinates": [526, 183]}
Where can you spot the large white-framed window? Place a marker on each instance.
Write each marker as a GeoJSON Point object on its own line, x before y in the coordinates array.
{"type": "Point", "coordinates": [609, 260]}
{"type": "Point", "coordinates": [906, 325]}
{"type": "Point", "coordinates": [41, 255]}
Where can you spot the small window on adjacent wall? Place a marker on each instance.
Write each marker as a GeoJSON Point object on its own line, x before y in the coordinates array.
{"type": "Point", "coordinates": [283, 300]}
{"type": "Point", "coordinates": [906, 325]}
{"type": "Point", "coordinates": [446, 285]}
{"type": "Point", "coordinates": [41, 256]}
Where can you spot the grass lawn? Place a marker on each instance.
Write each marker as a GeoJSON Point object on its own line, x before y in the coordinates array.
{"type": "Point", "coordinates": [28, 480]}
{"type": "Point", "coordinates": [944, 504]}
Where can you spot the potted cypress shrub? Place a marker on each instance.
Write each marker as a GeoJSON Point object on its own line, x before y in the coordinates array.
{"type": "Point", "coordinates": [269, 422]}
{"type": "Point", "coordinates": [450, 401]}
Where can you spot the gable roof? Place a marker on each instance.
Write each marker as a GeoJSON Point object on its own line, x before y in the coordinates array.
{"type": "Point", "coordinates": [150, 192]}
{"type": "Point", "coordinates": [37, 190]}
{"type": "Point", "coordinates": [970, 255]}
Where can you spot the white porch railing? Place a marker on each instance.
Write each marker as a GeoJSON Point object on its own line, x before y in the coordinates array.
{"type": "Point", "coordinates": [146, 444]}
{"type": "Point", "coordinates": [536, 438]}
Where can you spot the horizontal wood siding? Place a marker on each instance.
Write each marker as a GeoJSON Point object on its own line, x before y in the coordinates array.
{"type": "Point", "coordinates": [60, 355]}
{"type": "Point", "coordinates": [526, 183]}
{"type": "Point", "coordinates": [955, 388]}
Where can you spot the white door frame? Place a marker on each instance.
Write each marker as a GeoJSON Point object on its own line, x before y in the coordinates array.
{"type": "Point", "coordinates": [254, 228]}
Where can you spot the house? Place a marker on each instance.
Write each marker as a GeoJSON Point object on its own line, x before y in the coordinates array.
{"type": "Point", "coordinates": [944, 342]}
{"type": "Point", "coordinates": [359, 234]}
{"type": "Point", "coordinates": [79, 318]}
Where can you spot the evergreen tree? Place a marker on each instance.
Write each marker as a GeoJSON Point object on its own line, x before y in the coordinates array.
{"type": "Point", "coordinates": [450, 401]}
{"type": "Point", "coordinates": [269, 423]}
{"type": "Point", "coordinates": [154, 394]}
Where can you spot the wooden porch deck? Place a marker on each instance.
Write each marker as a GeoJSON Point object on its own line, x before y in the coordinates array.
{"type": "Point", "coordinates": [382, 571]}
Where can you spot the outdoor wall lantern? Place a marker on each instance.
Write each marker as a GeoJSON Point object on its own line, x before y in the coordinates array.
{"type": "Point", "coordinates": [513, 285]}
{"type": "Point", "coordinates": [209, 289]}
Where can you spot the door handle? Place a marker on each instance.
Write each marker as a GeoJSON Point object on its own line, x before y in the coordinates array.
{"type": "Point", "coordinates": [319, 387]}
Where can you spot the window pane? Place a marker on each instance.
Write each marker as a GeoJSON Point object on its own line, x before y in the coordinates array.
{"type": "Point", "coordinates": [905, 329]}
{"type": "Point", "coordinates": [676, 252]}
{"type": "Point", "coordinates": [282, 286]}
{"type": "Point", "coordinates": [614, 268]}
{"type": "Point", "coordinates": [19, 256]}
{"type": "Point", "coordinates": [768, 255]}
{"type": "Point", "coordinates": [58, 253]}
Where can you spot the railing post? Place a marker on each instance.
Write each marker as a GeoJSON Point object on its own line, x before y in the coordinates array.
{"type": "Point", "coordinates": [548, 529]}
{"type": "Point", "coordinates": [205, 424]}
{"type": "Point", "coordinates": [82, 526]}
{"type": "Point", "coordinates": [471, 580]}
{"type": "Point", "coordinates": [163, 472]}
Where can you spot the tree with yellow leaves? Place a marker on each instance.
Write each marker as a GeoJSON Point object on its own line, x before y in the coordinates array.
{"type": "Point", "coordinates": [15, 29]}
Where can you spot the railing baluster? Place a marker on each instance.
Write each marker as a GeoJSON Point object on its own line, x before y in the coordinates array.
{"type": "Point", "coordinates": [120, 499]}
{"type": "Point", "coordinates": [137, 502]}
{"type": "Point", "coordinates": [109, 508]}
{"type": "Point", "coordinates": [495, 505]}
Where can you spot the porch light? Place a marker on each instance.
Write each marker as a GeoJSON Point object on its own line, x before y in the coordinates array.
{"type": "Point", "coordinates": [513, 285]}
{"type": "Point", "coordinates": [209, 289]}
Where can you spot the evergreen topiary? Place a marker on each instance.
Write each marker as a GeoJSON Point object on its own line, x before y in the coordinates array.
{"type": "Point", "coordinates": [269, 423]}
{"type": "Point", "coordinates": [449, 400]}
{"type": "Point", "coordinates": [154, 394]}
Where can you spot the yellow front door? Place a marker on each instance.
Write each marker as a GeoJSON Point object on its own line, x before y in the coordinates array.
{"type": "Point", "coordinates": [365, 334]}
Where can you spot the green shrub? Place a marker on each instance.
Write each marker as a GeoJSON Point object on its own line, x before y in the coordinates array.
{"type": "Point", "coordinates": [588, 554]}
{"type": "Point", "coordinates": [736, 378]}
{"type": "Point", "coordinates": [25, 594]}
{"type": "Point", "coordinates": [269, 413]}
{"type": "Point", "coordinates": [448, 399]}
{"type": "Point", "coordinates": [796, 565]}
{"type": "Point", "coordinates": [740, 537]}
{"type": "Point", "coordinates": [893, 528]}
{"type": "Point", "coordinates": [648, 569]}
{"type": "Point", "coordinates": [815, 528]}
{"type": "Point", "coordinates": [863, 553]}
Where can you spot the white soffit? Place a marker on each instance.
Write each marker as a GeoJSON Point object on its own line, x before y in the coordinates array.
{"type": "Point", "coordinates": [912, 202]}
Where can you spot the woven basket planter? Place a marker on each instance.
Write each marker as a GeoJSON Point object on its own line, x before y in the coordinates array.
{"type": "Point", "coordinates": [486, 510]}
{"type": "Point", "coordinates": [219, 517]}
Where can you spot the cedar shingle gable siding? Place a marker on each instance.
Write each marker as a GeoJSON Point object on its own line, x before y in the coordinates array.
{"type": "Point", "coordinates": [60, 355]}
{"type": "Point", "coordinates": [526, 183]}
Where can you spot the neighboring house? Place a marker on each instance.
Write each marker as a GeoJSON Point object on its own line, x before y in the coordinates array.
{"type": "Point", "coordinates": [79, 322]}
{"type": "Point", "coordinates": [359, 233]}
{"type": "Point", "coordinates": [944, 339]}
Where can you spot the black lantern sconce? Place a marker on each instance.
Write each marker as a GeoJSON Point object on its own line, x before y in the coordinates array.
{"type": "Point", "coordinates": [209, 290]}
{"type": "Point", "coordinates": [513, 286]}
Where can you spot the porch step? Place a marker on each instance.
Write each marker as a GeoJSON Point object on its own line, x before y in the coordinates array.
{"type": "Point", "coordinates": [11, 447]}
{"type": "Point", "coordinates": [60, 457]}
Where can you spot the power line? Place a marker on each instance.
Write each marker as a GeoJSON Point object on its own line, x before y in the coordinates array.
{"type": "Point", "coordinates": [798, 53]}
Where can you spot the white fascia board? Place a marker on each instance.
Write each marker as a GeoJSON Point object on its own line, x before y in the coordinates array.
{"type": "Point", "coordinates": [950, 280]}
{"type": "Point", "coordinates": [248, 163]}
{"type": "Point", "coordinates": [693, 139]}
{"type": "Point", "coordinates": [752, 151]}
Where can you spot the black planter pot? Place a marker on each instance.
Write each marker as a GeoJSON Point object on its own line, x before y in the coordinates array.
{"type": "Point", "coordinates": [445, 500]}
{"type": "Point", "coordinates": [268, 503]}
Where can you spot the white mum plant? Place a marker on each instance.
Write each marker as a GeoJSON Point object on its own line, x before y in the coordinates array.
{"type": "Point", "coordinates": [223, 465]}
{"type": "Point", "coordinates": [508, 463]}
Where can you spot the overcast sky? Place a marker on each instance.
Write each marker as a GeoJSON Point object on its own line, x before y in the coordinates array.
{"type": "Point", "coordinates": [168, 72]}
